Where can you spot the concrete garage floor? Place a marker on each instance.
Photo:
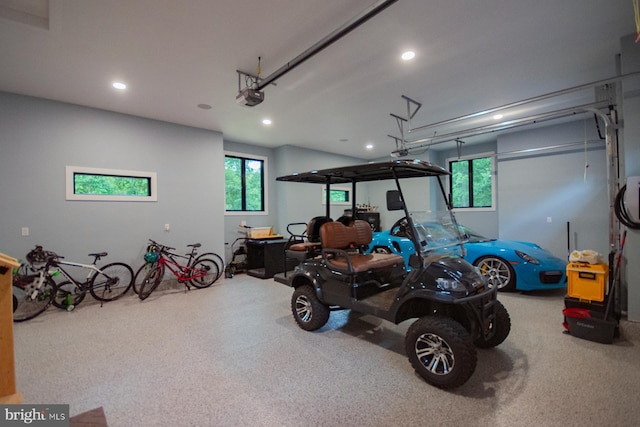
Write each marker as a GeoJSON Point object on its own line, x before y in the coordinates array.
{"type": "Point", "coordinates": [232, 355]}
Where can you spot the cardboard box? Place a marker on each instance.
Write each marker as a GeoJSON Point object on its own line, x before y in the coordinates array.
{"type": "Point", "coordinates": [259, 232]}
{"type": "Point", "coordinates": [587, 281]}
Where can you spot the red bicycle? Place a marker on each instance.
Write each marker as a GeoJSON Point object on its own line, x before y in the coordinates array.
{"type": "Point", "coordinates": [200, 272]}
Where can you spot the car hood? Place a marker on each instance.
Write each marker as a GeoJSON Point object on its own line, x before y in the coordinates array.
{"type": "Point", "coordinates": [507, 248]}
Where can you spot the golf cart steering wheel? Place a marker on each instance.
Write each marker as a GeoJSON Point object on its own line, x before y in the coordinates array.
{"type": "Point", "coordinates": [400, 228]}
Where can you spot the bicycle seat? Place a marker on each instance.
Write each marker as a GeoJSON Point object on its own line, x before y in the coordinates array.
{"type": "Point", "coordinates": [99, 254]}
{"type": "Point", "coordinates": [195, 245]}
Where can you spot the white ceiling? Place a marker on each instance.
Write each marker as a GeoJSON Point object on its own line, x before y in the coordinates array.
{"type": "Point", "coordinates": [174, 55]}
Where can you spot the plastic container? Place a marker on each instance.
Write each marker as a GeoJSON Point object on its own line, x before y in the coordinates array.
{"type": "Point", "coordinates": [587, 281]}
{"type": "Point", "coordinates": [589, 325]}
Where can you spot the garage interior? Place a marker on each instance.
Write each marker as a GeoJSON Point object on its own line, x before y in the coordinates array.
{"type": "Point", "coordinates": [563, 75]}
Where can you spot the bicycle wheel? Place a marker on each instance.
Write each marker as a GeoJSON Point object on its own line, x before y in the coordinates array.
{"type": "Point", "coordinates": [217, 258]}
{"type": "Point", "coordinates": [113, 281]}
{"type": "Point", "coordinates": [68, 295]}
{"type": "Point", "coordinates": [204, 272]}
{"type": "Point", "coordinates": [29, 301]}
{"type": "Point", "coordinates": [140, 275]}
{"type": "Point", "coordinates": [151, 280]}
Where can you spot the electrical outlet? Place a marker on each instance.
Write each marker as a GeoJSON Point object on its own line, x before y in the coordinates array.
{"type": "Point", "coordinates": [25, 231]}
{"type": "Point", "coordinates": [167, 227]}
{"type": "Point", "coordinates": [548, 219]}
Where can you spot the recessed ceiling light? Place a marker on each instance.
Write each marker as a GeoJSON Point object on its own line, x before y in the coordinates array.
{"type": "Point", "coordinates": [119, 85]}
{"type": "Point", "coordinates": [266, 122]}
{"type": "Point", "coordinates": [498, 116]}
{"type": "Point", "coordinates": [369, 146]}
{"type": "Point", "coordinates": [408, 55]}
{"type": "Point", "coordinates": [204, 106]}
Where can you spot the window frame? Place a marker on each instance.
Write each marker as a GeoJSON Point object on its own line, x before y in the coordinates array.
{"type": "Point", "coordinates": [71, 171]}
{"type": "Point", "coordinates": [265, 184]}
{"type": "Point", "coordinates": [491, 156]}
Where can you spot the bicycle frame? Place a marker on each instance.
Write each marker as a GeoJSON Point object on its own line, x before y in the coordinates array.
{"type": "Point", "coordinates": [183, 273]}
{"type": "Point", "coordinates": [82, 285]}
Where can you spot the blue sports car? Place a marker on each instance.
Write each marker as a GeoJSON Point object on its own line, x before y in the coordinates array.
{"type": "Point", "coordinates": [509, 265]}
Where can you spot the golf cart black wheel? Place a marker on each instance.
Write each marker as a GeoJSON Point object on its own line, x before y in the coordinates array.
{"type": "Point", "coordinates": [501, 325]}
{"type": "Point", "coordinates": [498, 272]}
{"type": "Point", "coordinates": [309, 312]}
{"type": "Point", "coordinates": [441, 351]}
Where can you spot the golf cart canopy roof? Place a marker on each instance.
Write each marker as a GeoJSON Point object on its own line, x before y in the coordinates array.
{"type": "Point", "coordinates": [368, 172]}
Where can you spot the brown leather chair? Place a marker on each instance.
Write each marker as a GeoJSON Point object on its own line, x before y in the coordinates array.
{"type": "Point", "coordinates": [343, 248]}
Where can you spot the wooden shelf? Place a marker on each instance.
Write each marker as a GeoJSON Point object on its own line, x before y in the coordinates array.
{"type": "Point", "coordinates": [8, 392]}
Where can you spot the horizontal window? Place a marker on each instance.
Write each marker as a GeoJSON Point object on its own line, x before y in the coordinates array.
{"type": "Point", "coordinates": [337, 196]}
{"type": "Point", "coordinates": [110, 185]}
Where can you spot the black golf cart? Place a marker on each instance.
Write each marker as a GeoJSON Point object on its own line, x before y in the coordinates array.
{"type": "Point", "coordinates": [456, 311]}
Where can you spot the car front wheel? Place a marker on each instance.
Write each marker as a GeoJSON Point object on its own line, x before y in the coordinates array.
{"type": "Point", "coordinates": [310, 313]}
{"type": "Point", "coordinates": [498, 271]}
{"type": "Point", "coordinates": [441, 351]}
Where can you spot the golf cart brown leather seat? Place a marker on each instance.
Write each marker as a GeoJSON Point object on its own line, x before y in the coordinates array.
{"type": "Point", "coordinates": [308, 244]}
{"type": "Point", "coordinates": [343, 248]}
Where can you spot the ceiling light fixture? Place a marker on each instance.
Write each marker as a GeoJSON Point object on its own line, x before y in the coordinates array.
{"type": "Point", "coordinates": [119, 85]}
{"type": "Point", "coordinates": [408, 55]}
{"type": "Point", "coordinates": [497, 117]}
{"type": "Point", "coordinates": [266, 122]}
{"type": "Point", "coordinates": [369, 146]}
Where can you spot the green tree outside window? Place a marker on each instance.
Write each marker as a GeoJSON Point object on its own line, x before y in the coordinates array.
{"type": "Point", "coordinates": [471, 183]}
{"type": "Point", "coordinates": [244, 184]}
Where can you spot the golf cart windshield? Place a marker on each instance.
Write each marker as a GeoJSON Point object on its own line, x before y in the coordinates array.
{"type": "Point", "coordinates": [438, 233]}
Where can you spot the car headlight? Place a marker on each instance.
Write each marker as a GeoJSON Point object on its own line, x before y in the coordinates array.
{"type": "Point", "coordinates": [449, 285]}
{"type": "Point", "coordinates": [528, 258]}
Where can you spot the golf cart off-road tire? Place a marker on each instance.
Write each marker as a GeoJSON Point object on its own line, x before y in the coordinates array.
{"type": "Point", "coordinates": [502, 326]}
{"type": "Point", "coordinates": [309, 312]}
{"type": "Point", "coordinates": [441, 351]}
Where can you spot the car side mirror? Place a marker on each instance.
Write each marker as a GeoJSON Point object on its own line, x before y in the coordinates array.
{"type": "Point", "coordinates": [394, 201]}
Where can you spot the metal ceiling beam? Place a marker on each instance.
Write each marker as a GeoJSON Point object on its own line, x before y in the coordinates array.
{"type": "Point", "coordinates": [328, 40]}
{"type": "Point", "coordinates": [527, 101]}
{"type": "Point", "coordinates": [495, 127]}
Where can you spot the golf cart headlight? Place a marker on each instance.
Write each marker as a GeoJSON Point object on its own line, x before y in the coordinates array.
{"type": "Point", "coordinates": [528, 258]}
{"type": "Point", "coordinates": [449, 285]}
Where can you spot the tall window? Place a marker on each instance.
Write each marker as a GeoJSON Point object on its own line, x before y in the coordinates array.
{"type": "Point", "coordinates": [472, 184]}
{"type": "Point", "coordinates": [244, 183]}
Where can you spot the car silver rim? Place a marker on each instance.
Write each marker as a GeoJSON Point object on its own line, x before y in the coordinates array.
{"type": "Point", "coordinates": [435, 354]}
{"type": "Point", "coordinates": [303, 308]}
{"type": "Point", "coordinates": [496, 271]}
{"type": "Point", "coordinates": [381, 250]}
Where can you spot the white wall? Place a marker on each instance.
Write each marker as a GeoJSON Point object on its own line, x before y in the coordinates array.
{"type": "Point", "coordinates": [38, 138]}
{"type": "Point", "coordinates": [300, 202]}
{"type": "Point", "coordinates": [551, 184]}
{"type": "Point", "coordinates": [631, 167]}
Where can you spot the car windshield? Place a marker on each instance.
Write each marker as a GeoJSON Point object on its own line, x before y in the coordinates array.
{"type": "Point", "coordinates": [473, 236]}
{"type": "Point", "coordinates": [438, 233]}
